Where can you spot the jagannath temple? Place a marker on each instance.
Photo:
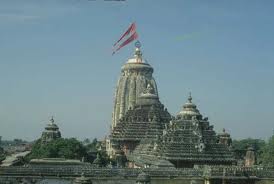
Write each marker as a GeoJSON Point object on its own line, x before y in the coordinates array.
{"type": "Point", "coordinates": [149, 136]}
{"type": "Point", "coordinates": [147, 144]}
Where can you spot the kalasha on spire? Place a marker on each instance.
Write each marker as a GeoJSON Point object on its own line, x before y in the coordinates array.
{"type": "Point", "coordinates": [138, 53]}
{"type": "Point", "coordinates": [129, 36]}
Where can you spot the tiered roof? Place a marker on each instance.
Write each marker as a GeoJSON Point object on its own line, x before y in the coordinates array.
{"type": "Point", "coordinates": [145, 120]}
{"type": "Point", "coordinates": [51, 132]}
{"type": "Point", "coordinates": [187, 138]}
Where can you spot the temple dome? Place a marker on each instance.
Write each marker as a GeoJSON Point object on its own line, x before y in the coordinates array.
{"type": "Point", "coordinates": [137, 57]}
{"type": "Point", "coordinates": [137, 63]}
{"type": "Point", "coordinates": [51, 126]}
{"type": "Point", "coordinates": [189, 110]}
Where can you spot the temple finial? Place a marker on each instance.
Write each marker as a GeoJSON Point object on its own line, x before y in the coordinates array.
{"type": "Point", "coordinates": [52, 120]}
{"type": "Point", "coordinates": [138, 53]}
{"type": "Point", "coordinates": [190, 98]}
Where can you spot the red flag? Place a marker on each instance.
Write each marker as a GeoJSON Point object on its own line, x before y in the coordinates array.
{"type": "Point", "coordinates": [129, 40]}
{"type": "Point", "coordinates": [127, 37]}
{"type": "Point", "coordinates": [131, 29]}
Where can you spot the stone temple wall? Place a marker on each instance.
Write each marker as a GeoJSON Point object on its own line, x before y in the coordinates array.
{"type": "Point", "coordinates": [265, 181]}
{"type": "Point", "coordinates": [66, 174]}
{"type": "Point", "coordinates": [116, 180]}
{"type": "Point", "coordinates": [101, 181]}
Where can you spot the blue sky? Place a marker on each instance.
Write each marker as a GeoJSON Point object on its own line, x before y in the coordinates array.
{"type": "Point", "coordinates": [55, 59]}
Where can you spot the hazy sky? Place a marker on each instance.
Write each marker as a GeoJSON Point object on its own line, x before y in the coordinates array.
{"type": "Point", "coordinates": [55, 59]}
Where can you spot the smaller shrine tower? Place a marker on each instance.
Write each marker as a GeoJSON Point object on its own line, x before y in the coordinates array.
{"type": "Point", "coordinates": [250, 157]}
{"type": "Point", "coordinates": [224, 138]}
{"type": "Point", "coordinates": [51, 132]}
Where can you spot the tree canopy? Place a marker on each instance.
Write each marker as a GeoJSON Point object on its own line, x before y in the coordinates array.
{"type": "Point", "coordinates": [60, 148]}
{"type": "Point", "coordinates": [268, 153]}
{"type": "Point", "coordinates": [2, 155]}
{"type": "Point", "coordinates": [240, 147]}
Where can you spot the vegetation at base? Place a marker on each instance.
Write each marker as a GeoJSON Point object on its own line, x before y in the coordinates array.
{"type": "Point", "coordinates": [73, 149]}
{"type": "Point", "coordinates": [94, 147]}
{"type": "Point", "coordinates": [60, 148]}
{"type": "Point", "coordinates": [264, 150]}
{"type": "Point", "coordinates": [267, 156]}
{"type": "Point", "coordinates": [240, 147]}
{"type": "Point", "coordinates": [91, 146]}
{"type": "Point", "coordinates": [69, 149]}
{"type": "Point", "coordinates": [2, 154]}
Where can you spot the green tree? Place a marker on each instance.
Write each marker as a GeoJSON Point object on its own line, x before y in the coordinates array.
{"type": "Point", "coordinates": [92, 147]}
{"type": "Point", "coordinates": [268, 153]}
{"type": "Point", "coordinates": [2, 154]}
{"type": "Point", "coordinates": [59, 148]}
{"type": "Point", "coordinates": [86, 141]}
{"type": "Point", "coordinates": [240, 147]}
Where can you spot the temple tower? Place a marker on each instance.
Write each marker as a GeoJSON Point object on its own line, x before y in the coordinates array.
{"type": "Point", "coordinates": [250, 157]}
{"type": "Point", "coordinates": [136, 75]}
{"type": "Point", "coordinates": [224, 138]}
{"type": "Point", "coordinates": [51, 132]}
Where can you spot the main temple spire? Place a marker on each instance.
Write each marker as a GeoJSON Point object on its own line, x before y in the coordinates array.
{"type": "Point", "coordinates": [136, 74]}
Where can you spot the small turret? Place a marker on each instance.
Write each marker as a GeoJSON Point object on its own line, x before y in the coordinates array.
{"type": "Point", "coordinates": [189, 110]}
{"type": "Point", "coordinates": [51, 132]}
{"type": "Point", "coordinates": [250, 157]}
{"type": "Point", "coordinates": [224, 138]}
